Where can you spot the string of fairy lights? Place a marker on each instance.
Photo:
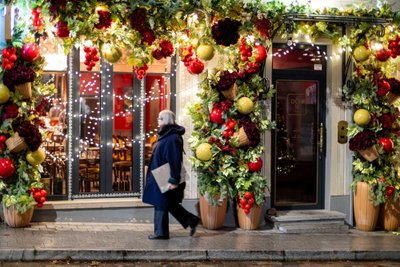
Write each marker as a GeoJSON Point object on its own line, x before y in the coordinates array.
{"type": "Point", "coordinates": [90, 116]}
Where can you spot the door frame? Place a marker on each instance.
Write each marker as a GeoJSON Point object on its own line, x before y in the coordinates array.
{"type": "Point", "coordinates": [303, 75]}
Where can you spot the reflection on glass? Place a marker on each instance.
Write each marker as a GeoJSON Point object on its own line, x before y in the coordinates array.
{"type": "Point", "coordinates": [89, 161]}
{"type": "Point", "coordinates": [54, 167]}
{"type": "Point", "coordinates": [122, 132]}
{"type": "Point", "coordinates": [157, 99]}
{"type": "Point", "coordinates": [296, 142]}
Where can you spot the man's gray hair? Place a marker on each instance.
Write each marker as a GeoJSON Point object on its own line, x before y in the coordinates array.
{"type": "Point", "coordinates": [168, 117]}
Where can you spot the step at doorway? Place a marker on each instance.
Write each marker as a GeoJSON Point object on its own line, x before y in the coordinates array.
{"type": "Point", "coordinates": [308, 221]}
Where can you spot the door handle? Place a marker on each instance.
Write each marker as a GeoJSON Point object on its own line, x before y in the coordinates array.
{"type": "Point", "coordinates": [321, 138]}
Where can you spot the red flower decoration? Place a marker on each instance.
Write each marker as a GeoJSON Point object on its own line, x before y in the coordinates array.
{"type": "Point", "coordinates": [386, 121]}
{"type": "Point", "coordinates": [10, 111]}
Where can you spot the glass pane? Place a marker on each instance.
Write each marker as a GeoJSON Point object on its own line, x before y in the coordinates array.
{"type": "Point", "coordinates": [157, 99]}
{"type": "Point", "coordinates": [54, 167]}
{"type": "Point", "coordinates": [122, 133]}
{"type": "Point", "coordinates": [296, 142]}
{"type": "Point", "coordinates": [298, 58]}
{"type": "Point", "coordinates": [89, 161]}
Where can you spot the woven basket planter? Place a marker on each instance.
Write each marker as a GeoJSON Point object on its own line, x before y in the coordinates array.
{"type": "Point", "coordinates": [231, 93]}
{"type": "Point", "coordinates": [242, 136]}
{"type": "Point", "coordinates": [25, 90]}
{"type": "Point", "coordinates": [391, 98]}
{"type": "Point", "coordinates": [370, 153]}
{"type": "Point", "coordinates": [16, 143]}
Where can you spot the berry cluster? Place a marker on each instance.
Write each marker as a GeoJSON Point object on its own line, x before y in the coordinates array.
{"type": "Point", "coordinates": [246, 202]}
{"type": "Point", "coordinates": [91, 57]}
{"type": "Point", "coordinates": [39, 195]}
{"type": "Point", "coordinates": [3, 139]}
{"type": "Point", "coordinates": [9, 57]}
{"type": "Point", "coordinates": [245, 50]}
{"type": "Point", "coordinates": [230, 128]}
{"type": "Point", "coordinates": [37, 21]}
{"type": "Point", "coordinates": [142, 71]}
{"type": "Point", "coordinates": [225, 105]}
{"type": "Point", "coordinates": [394, 47]}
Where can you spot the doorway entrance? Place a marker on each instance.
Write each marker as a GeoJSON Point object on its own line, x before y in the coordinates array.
{"type": "Point", "coordinates": [298, 142]}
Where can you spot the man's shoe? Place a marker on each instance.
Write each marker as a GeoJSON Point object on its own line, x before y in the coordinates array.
{"type": "Point", "coordinates": [193, 227]}
{"type": "Point", "coordinates": [157, 237]}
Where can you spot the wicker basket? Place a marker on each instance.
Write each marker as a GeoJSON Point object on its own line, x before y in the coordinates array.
{"type": "Point", "coordinates": [370, 153]}
{"type": "Point", "coordinates": [242, 137]}
{"type": "Point", "coordinates": [231, 93]}
{"type": "Point", "coordinates": [16, 143]}
{"type": "Point", "coordinates": [25, 90]}
{"type": "Point", "coordinates": [391, 98]}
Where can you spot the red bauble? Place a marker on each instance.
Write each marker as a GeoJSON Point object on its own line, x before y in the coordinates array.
{"type": "Point", "coordinates": [195, 66]}
{"type": "Point", "coordinates": [383, 55]}
{"type": "Point", "coordinates": [255, 166]}
{"type": "Point", "coordinates": [216, 116]}
{"type": "Point", "coordinates": [387, 144]}
{"type": "Point", "coordinates": [30, 52]}
{"type": "Point", "coordinates": [261, 53]}
{"type": "Point", "coordinates": [7, 168]}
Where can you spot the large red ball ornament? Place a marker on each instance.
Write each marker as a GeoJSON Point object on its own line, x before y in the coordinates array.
{"type": "Point", "coordinates": [261, 53]}
{"type": "Point", "coordinates": [256, 165]}
{"type": "Point", "coordinates": [7, 168]}
{"type": "Point", "coordinates": [195, 66]}
{"type": "Point", "coordinates": [216, 116]}
{"type": "Point", "coordinates": [387, 144]}
{"type": "Point", "coordinates": [30, 52]}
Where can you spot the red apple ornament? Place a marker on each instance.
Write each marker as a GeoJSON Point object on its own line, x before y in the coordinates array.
{"type": "Point", "coordinates": [30, 52]}
{"type": "Point", "coordinates": [255, 166]}
{"type": "Point", "coordinates": [261, 53]}
{"type": "Point", "coordinates": [216, 116]}
{"type": "Point", "coordinates": [195, 66]}
{"type": "Point", "coordinates": [7, 168]}
{"type": "Point", "coordinates": [387, 144]}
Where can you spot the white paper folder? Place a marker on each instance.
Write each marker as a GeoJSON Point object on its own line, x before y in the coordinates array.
{"type": "Point", "coordinates": [162, 174]}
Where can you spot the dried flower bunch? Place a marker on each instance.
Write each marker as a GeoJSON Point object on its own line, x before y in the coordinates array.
{"type": "Point", "coordinates": [18, 75]}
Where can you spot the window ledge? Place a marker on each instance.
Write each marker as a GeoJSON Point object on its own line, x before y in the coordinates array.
{"type": "Point", "coordinates": [103, 203]}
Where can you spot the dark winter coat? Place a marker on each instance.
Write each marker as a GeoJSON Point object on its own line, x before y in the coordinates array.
{"type": "Point", "coordinates": [169, 148]}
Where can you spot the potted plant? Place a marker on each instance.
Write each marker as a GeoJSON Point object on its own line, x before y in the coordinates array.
{"type": "Point", "coordinates": [21, 132]}
{"type": "Point", "coordinates": [374, 135]}
{"type": "Point", "coordinates": [220, 155]}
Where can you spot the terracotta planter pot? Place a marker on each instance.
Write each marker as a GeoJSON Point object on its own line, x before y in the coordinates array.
{"type": "Point", "coordinates": [15, 219]}
{"type": "Point", "coordinates": [389, 217]}
{"type": "Point", "coordinates": [25, 90]}
{"type": "Point", "coordinates": [212, 217]}
{"type": "Point", "coordinates": [365, 213]}
{"type": "Point", "coordinates": [251, 220]}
